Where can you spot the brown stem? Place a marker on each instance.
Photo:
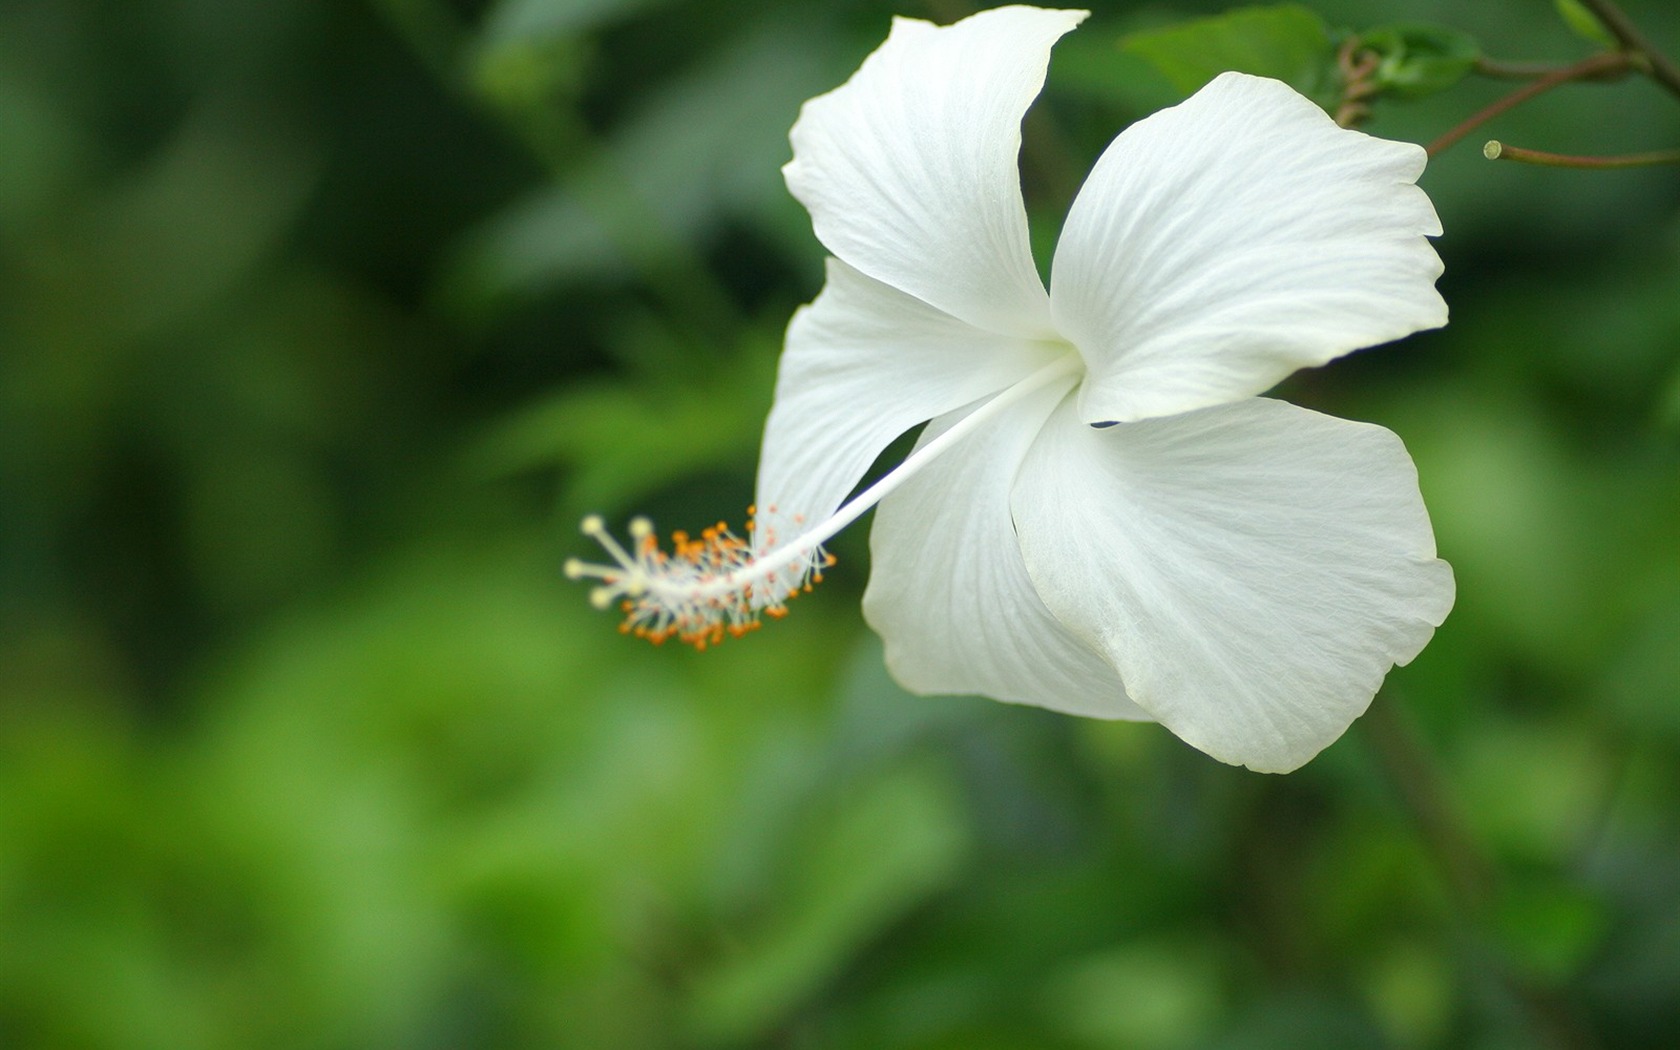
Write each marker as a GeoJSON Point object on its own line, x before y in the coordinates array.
{"type": "Point", "coordinates": [1500, 69]}
{"type": "Point", "coordinates": [1612, 17]}
{"type": "Point", "coordinates": [1600, 65]}
{"type": "Point", "coordinates": [1356, 66]}
{"type": "Point", "coordinates": [1496, 150]}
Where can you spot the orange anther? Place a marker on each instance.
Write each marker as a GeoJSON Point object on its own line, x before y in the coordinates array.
{"type": "Point", "coordinates": [700, 589]}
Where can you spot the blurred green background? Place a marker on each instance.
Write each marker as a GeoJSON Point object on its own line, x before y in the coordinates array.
{"type": "Point", "coordinates": [322, 323]}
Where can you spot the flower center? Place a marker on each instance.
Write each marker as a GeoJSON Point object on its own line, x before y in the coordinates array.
{"type": "Point", "coordinates": [703, 590]}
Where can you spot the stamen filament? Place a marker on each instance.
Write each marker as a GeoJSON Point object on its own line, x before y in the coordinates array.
{"type": "Point", "coordinates": [709, 588]}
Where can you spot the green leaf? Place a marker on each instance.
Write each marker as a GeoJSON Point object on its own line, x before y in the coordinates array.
{"type": "Point", "coordinates": [1668, 412]}
{"type": "Point", "coordinates": [1584, 23]}
{"type": "Point", "coordinates": [529, 52]}
{"type": "Point", "coordinates": [707, 145]}
{"type": "Point", "coordinates": [910, 826]}
{"type": "Point", "coordinates": [623, 439]}
{"type": "Point", "coordinates": [1418, 59]}
{"type": "Point", "coordinates": [528, 74]}
{"type": "Point", "coordinates": [1638, 685]}
{"type": "Point", "coordinates": [1158, 992]}
{"type": "Point", "coordinates": [1549, 928]}
{"type": "Point", "coordinates": [1287, 42]}
{"type": "Point", "coordinates": [519, 20]}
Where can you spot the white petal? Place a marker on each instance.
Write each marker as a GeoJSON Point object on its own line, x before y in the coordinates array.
{"type": "Point", "coordinates": [909, 169]}
{"type": "Point", "coordinates": [948, 592]}
{"type": "Point", "coordinates": [1252, 570]}
{"type": "Point", "coordinates": [1223, 243]}
{"type": "Point", "coordinates": [863, 364]}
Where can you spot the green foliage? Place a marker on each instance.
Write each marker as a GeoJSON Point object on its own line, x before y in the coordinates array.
{"type": "Point", "coordinates": [1415, 59]}
{"type": "Point", "coordinates": [1583, 22]}
{"type": "Point", "coordinates": [907, 824]}
{"type": "Point", "coordinates": [668, 175]}
{"type": "Point", "coordinates": [1288, 42]}
{"type": "Point", "coordinates": [322, 323]}
{"type": "Point", "coordinates": [687, 412]}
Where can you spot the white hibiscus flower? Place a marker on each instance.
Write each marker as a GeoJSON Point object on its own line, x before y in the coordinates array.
{"type": "Point", "coordinates": [1102, 517]}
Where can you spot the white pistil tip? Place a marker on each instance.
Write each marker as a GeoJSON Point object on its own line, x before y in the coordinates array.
{"type": "Point", "coordinates": [702, 590]}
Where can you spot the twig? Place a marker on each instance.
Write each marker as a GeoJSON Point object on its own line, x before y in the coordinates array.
{"type": "Point", "coordinates": [1357, 67]}
{"type": "Point", "coordinates": [1661, 68]}
{"type": "Point", "coordinates": [1500, 69]}
{"type": "Point", "coordinates": [1496, 150]}
{"type": "Point", "coordinates": [1606, 64]}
